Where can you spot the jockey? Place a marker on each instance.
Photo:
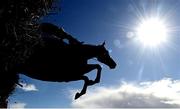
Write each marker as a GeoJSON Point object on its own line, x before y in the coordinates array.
{"type": "Point", "coordinates": [58, 33]}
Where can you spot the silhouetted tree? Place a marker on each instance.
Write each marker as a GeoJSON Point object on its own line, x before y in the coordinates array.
{"type": "Point", "coordinates": [18, 35]}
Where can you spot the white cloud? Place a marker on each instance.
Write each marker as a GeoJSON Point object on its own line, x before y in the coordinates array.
{"type": "Point", "coordinates": [28, 87]}
{"type": "Point", "coordinates": [17, 105]}
{"type": "Point", "coordinates": [158, 94]}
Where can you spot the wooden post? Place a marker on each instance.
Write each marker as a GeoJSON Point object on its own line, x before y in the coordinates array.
{"type": "Point", "coordinates": [3, 103]}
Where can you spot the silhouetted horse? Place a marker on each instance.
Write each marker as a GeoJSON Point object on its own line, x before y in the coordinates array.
{"type": "Point", "coordinates": [56, 63]}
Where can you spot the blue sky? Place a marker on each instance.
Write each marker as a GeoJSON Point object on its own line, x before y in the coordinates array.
{"type": "Point", "coordinates": [94, 21]}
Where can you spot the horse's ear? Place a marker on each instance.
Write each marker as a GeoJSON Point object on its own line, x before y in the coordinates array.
{"type": "Point", "coordinates": [103, 43]}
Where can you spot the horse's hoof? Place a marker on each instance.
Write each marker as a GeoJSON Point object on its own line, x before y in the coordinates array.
{"type": "Point", "coordinates": [77, 95]}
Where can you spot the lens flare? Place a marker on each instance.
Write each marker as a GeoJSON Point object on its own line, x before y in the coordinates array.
{"type": "Point", "coordinates": [152, 32]}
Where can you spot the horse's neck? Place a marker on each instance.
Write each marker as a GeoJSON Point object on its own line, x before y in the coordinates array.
{"type": "Point", "coordinates": [90, 51]}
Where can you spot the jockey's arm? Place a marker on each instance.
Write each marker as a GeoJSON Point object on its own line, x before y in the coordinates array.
{"type": "Point", "coordinates": [58, 32]}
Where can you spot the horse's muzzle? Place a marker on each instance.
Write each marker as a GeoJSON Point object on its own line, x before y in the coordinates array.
{"type": "Point", "coordinates": [112, 66]}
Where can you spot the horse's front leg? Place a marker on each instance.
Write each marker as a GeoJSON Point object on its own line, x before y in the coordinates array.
{"type": "Point", "coordinates": [88, 82]}
{"type": "Point", "coordinates": [98, 76]}
{"type": "Point", "coordinates": [83, 91]}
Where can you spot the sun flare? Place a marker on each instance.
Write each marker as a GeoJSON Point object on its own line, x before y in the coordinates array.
{"type": "Point", "coordinates": [152, 32]}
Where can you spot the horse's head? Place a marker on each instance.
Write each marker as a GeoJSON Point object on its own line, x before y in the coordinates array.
{"type": "Point", "coordinates": [104, 57]}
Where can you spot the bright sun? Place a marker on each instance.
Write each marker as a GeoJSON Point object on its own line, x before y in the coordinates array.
{"type": "Point", "coordinates": [152, 32]}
